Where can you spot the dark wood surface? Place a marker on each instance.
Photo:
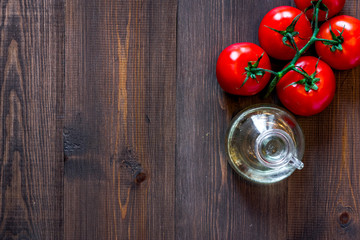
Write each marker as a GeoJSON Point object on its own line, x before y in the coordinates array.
{"type": "Point", "coordinates": [31, 119]}
{"type": "Point", "coordinates": [119, 131]}
{"type": "Point", "coordinates": [112, 126]}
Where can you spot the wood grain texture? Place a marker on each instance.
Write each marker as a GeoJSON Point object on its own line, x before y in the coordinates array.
{"type": "Point", "coordinates": [329, 188]}
{"type": "Point", "coordinates": [119, 135]}
{"type": "Point", "coordinates": [112, 126]}
{"type": "Point", "coordinates": [31, 93]}
{"type": "Point", "coordinates": [212, 202]}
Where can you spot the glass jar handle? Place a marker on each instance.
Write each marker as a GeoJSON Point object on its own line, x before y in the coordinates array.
{"type": "Point", "coordinates": [296, 163]}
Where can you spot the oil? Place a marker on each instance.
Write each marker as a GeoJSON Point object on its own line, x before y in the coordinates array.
{"type": "Point", "coordinates": [265, 144]}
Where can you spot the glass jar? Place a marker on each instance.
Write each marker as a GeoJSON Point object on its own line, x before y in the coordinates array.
{"type": "Point", "coordinates": [265, 144]}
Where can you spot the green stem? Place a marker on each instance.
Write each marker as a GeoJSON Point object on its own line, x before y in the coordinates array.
{"type": "Point", "coordinates": [267, 70]}
{"type": "Point", "coordinates": [298, 54]}
{"type": "Point", "coordinates": [326, 40]}
{"type": "Point", "coordinates": [301, 72]}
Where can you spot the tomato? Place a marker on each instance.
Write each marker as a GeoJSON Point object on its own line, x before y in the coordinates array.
{"type": "Point", "coordinates": [333, 6]}
{"type": "Point", "coordinates": [280, 18]}
{"type": "Point", "coordinates": [299, 95]}
{"type": "Point", "coordinates": [231, 72]}
{"type": "Point", "coordinates": [348, 56]}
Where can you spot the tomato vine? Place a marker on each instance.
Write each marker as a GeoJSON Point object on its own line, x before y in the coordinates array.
{"type": "Point", "coordinates": [299, 52]}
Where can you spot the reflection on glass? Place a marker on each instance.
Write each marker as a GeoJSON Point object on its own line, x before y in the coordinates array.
{"type": "Point", "coordinates": [265, 144]}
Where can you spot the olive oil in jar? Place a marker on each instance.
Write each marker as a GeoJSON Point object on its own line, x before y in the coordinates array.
{"type": "Point", "coordinates": [265, 144]}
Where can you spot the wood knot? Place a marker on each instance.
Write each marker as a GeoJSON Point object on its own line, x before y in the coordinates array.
{"type": "Point", "coordinates": [344, 216]}
{"type": "Point", "coordinates": [344, 219]}
{"type": "Point", "coordinates": [140, 177]}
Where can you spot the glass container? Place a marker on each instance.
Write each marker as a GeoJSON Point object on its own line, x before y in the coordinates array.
{"type": "Point", "coordinates": [265, 144]}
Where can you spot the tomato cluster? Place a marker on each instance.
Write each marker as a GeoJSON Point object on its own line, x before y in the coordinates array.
{"type": "Point", "coordinates": [306, 85]}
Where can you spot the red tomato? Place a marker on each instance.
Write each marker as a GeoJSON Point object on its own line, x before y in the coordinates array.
{"type": "Point", "coordinates": [295, 97]}
{"type": "Point", "coordinates": [280, 18]}
{"type": "Point", "coordinates": [349, 56]}
{"type": "Point", "coordinates": [231, 73]}
{"type": "Point", "coordinates": [333, 6]}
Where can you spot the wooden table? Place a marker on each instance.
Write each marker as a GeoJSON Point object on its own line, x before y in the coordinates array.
{"type": "Point", "coordinates": [113, 124]}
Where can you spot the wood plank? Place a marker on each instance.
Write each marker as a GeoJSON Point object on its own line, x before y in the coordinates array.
{"type": "Point", "coordinates": [119, 136]}
{"type": "Point", "coordinates": [31, 117]}
{"type": "Point", "coordinates": [212, 202]}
